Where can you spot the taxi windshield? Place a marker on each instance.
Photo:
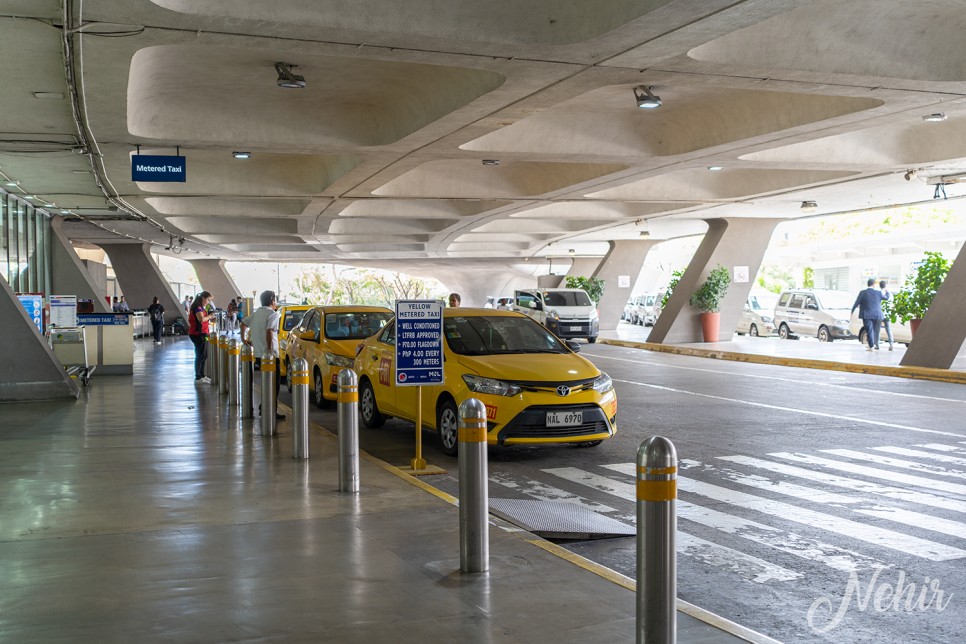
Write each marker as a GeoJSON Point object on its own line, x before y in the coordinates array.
{"type": "Point", "coordinates": [491, 335]}
{"type": "Point", "coordinates": [354, 326]}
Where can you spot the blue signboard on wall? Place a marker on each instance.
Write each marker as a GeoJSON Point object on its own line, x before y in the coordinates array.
{"type": "Point", "coordinates": [419, 342]}
{"type": "Point", "coordinates": [151, 167]}
{"type": "Point", "coordinates": [34, 305]}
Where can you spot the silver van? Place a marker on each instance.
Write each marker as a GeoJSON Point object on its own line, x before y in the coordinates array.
{"type": "Point", "coordinates": [818, 313]}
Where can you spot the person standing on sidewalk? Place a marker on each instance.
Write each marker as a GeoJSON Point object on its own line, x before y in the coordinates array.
{"type": "Point", "coordinates": [198, 332]}
{"type": "Point", "coordinates": [263, 336]}
{"type": "Point", "coordinates": [886, 296]}
{"type": "Point", "coordinates": [156, 313]}
{"type": "Point", "coordinates": [869, 303]}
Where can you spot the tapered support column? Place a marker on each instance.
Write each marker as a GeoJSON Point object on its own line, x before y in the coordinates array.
{"type": "Point", "coordinates": [141, 279]}
{"type": "Point", "coordinates": [732, 243]}
{"type": "Point", "coordinates": [216, 280]}
{"type": "Point", "coordinates": [624, 260]}
{"type": "Point", "coordinates": [68, 274]}
{"type": "Point", "coordinates": [941, 333]}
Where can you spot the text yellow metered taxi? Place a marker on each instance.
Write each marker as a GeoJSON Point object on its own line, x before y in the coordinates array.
{"type": "Point", "coordinates": [328, 337]}
{"type": "Point", "coordinates": [535, 388]}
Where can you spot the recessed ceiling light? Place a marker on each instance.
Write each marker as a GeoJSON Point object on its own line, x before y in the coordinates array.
{"type": "Point", "coordinates": [287, 79]}
{"type": "Point", "coordinates": [49, 95]}
{"type": "Point", "coordinates": [491, 162]}
{"type": "Point", "coordinates": [934, 118]}
{"type": "Point", "coordinates": [29, 197]}
{"type": "Point", "coordinates": [12, 184]}
{"type": "Point", "coordinates": [809, 206]}
{"type": "Point", "coordinates": [242, 155]}
{"type": "Point", "coordinates": [715, 168]}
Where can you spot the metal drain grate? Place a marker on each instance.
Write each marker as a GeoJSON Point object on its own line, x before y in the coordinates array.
{"type": "Point", "coordinates": [559, 519]}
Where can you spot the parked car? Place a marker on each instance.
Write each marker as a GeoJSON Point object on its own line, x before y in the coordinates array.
{"type": "Point", "coordinates": [901, 333]}
{"type": "Point", "coordinates": [758, 316]}
{"type": "Point", "coordinates": [648, 314]}
{"type": "Point", "coordinates": [567, 312]}
{"type": "Point", "coordinates": [536, 389]}
{"type": "Point", "coordinates": [820, 313]}
{"type": "Point", "coordinates": [327, 338]}
{"type": "Point", "coordinates": [289, 317]}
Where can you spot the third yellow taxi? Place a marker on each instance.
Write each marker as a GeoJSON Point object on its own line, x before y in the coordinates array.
{"type": "Point", "coordinates": [536, 389]}
{"type": "Point", "coordinates": [328, 337]}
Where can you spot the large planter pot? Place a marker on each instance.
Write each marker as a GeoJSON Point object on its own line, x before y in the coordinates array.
{"type": "Point", "coordinates": [914, 326]}
{"type": "Point", "coordinates": [710, 324]}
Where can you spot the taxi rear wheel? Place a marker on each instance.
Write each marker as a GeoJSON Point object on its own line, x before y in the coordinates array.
{"type": "Point", "coordinates": [368, 409]}
{"type": "Point", "coordinates": [318, 388]}
{"type": "Point", "coordinates": [288, 378]}
{"type": "Point", "coordinates": [447, 423]}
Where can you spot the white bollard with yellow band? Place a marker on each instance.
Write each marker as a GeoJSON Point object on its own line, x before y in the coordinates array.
{"type": "Point", "coordinates": [299, 377]}
{"type": "Point", "coordinates": [474, 496]}
{"type": "Point", "coordinates": [348, 403]}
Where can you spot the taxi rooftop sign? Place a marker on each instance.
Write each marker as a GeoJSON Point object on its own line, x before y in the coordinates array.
{"type": "Point", "coordinates": [419, 343]}
{"type": "Point", "coordinates": [151, 167]}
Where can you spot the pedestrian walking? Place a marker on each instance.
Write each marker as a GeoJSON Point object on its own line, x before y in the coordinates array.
{"type": "Point", "coordinates": [156, 313]}
{"type": "Point", "coordinates": [869, 303]}
{"type": "Point", "coordinates": [887, 296]}
{"type": "Point", "coordinates": [198, 332]}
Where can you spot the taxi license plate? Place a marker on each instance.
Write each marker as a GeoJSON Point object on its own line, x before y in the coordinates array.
{"type": "Point", "coordinates": [574, 328]}
{"type": "Point", "coordinates": [564, 418]}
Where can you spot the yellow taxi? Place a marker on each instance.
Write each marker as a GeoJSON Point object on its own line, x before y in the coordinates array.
{"type": "Point", "coordinates": [289, 317]}
{"type": "Point", "coordinates": [536, 389]}
{"type": "Point", "coordinates": [327, 338]}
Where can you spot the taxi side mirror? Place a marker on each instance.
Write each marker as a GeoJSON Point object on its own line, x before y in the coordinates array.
{"type": "Point", "coordinates": [573, 345]}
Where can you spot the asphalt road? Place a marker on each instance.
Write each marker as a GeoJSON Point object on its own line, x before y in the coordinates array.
{"type": "Point", "coordinates": [806, 498]}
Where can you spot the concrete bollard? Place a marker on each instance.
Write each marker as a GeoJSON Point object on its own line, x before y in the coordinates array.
{"type": "Point", "coordinates": [268, 393]}
{"type": "Point", "coordinates": [210, 362]}
{"type": "Point", "coordinates": [247, 381]}
{"type": "Point", "coordinates": [657, 473]}
{"type": "Point", "coordinates": [298, 376]}
{"type": "Point", "coordinates": [474, 497]}
{"type": "Point", "coordinates": [234, 371]}
{"type": "Point", "coordinates": [223, 363]}
{"type": "Point", "coordinates": [348, 431]}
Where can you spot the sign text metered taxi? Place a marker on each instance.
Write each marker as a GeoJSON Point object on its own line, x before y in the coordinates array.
{"type": "Point", "coordinates": [419, 342]}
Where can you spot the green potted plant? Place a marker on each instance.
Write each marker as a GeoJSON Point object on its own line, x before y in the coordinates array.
{"type": "Point", "coordinates": [708, 299]}
{"type": "Point", "coordinates": [911, 303]}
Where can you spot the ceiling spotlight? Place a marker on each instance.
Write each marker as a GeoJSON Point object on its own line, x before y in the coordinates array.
{"type": "Point", "coordinates": [809, 206]}
{"type": "Point", "coordinates": [909, 175]}
{"type": "Point", "coordinates": [715, 168]}
{"type": "Point", "coordinates": [934, 118]}
{"type": "Point", "coordinates": [491, 162]}
{"type": "Point", "coordinates": [12, 184]}
{"type": "Point", "coordinates": [286, 78]}
{"type": "Point", "coordinates": [645, 99]}
{"type": "Point", "coordinates": [242, 155]}
{"type": "Point", "coordinates": [31, 197]}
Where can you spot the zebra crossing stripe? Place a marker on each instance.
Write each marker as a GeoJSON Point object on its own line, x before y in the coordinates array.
{"type": "Point", "coordinates": [888, 475]}
{"type": "Point", "coordinates": [895, 462]}
{"type": "Point", "coordinates": [917, 520]}
{"type": "Point", "coordinates": [543, 492]}
{"type": "Point", "coordinates": [902, 494]}
{"type": "Point", "coordinates": [903, 451]}
{"type": "Point", "coordinates": [778, 487]}
{"type": "Point", "coordinates": [943, 448]}
{"type": "Point", "coordinates": [790, 543]}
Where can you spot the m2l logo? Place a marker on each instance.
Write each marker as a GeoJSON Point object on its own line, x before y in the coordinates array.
{"type": "Point", "coordinates": [385, 366]}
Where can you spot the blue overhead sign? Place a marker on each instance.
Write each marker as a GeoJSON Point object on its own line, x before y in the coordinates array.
{"type": "Point", "coordinates": [103, 319]}
{"type": "Point", "coordinates": [151, 167]}
{"type": "Point", "coordinates": [419, 342]}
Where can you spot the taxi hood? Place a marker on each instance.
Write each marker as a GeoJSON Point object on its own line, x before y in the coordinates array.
{"type": "Point", "coordinates": [345, 347]}
{"type": "Point", "coordinates": [530, 367]}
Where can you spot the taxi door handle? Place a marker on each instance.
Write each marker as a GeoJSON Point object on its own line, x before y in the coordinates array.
{"type": "Point", "coordinates": [374, 356]}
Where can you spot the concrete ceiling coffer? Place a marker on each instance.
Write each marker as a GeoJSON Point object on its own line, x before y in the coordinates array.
{"type": "Point", "coordinates": [240, 208]}
{"type": "Point", "coordinates": [419, 208]}
{"type": "Point", "coordinates": [608, 122]}
{"type": "Point", "coordinates": [347, 101]}
{"type": "Point", "coordinates": [548, 22]}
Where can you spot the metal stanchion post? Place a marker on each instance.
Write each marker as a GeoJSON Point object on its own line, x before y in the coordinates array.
{"type": "Point", "coordinates": [223, 363]}
{"type": "Point", "coordinates": [348, 431]}
{"type": "Point", "coordinates": [210, 364]}
{"type": "Point", "coordinates": [657, 473]}
{"type": "Point", "coordinates": [247, 377]}
{"type": "Point", "coordinates": [474, 498]}
{"type": "Point", "coordinates": [298, 375]}
{"type": "Point", "coordinates": [234, 358]}
{"type": "Point", "coordinates": [268, 393]}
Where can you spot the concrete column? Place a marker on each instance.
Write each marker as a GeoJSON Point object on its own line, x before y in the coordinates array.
{"type": "Point", "coordinates": [626, 257]}
{"type": "Point", "coordinates": [68, 274]}
{"type": "Point", "coordinates": [731, 242]}
{"type": "Point", "coordinates": [584, 266]}
{"type": "Point", "coordinates": [29, 369]}
{"type": "Point", "coordinates": [216, 280]}
{"type": "Point", "coordinates": [141, 279]}
{"type": "Point", "coordinates": [941, 334]}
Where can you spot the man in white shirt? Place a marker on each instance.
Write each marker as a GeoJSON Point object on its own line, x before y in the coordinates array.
{"type": "Point", "coordinates": [263, 324]}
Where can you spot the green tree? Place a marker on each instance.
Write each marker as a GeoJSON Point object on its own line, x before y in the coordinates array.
{"type": "Point", "coordinates": [915, 298]}
{"type": "Point", "coordinates": [593, 285]}
{"type": "Point", "coordinates": [708, 296]}
{"type": "Point", "coordinates": [808, 277]}
{"type": "Point", "coordinates": [675, 278]}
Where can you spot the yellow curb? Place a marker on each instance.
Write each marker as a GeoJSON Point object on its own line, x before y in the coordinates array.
{"type": "Point", "coordinates": [916, 373]}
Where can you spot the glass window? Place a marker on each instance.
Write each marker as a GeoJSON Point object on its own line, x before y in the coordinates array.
{"type": "Point", "coordinates": [291, 320]}
{"type": "Point", "coordinates": [354, 326]}
{"type": "Point", "coordinates": [4, 238]}
{"type": "Point", "coordinates": [389, 334]}
{"type": "Point", "coordinates": [485, 335]}
{"type": "Point", "coordinates": [569, 298]}
{"type": "Point", "coordinates": [798, 301]}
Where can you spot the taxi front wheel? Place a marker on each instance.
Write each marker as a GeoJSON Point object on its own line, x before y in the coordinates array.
{"type": "Point", "coordinates": [447, 422]}
{"type": "Point", "coordinates": [368, 409]}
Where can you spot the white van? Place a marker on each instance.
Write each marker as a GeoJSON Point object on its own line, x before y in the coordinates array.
{"type": "Point", "coordinates": [567, 312]}
{"type": "Point", "coordinates": [814, 312]}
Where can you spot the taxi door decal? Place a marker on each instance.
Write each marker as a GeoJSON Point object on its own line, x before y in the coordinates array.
{"type": "Point", "coordinates": [385, 368]}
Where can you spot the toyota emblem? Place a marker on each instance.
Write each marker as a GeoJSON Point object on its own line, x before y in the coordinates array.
{"type": "Point", "coordinates": [563, 390]}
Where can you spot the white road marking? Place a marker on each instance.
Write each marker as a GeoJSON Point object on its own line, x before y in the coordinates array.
{"type": "Point", "coordinates": [902, 494]}
{"type": "Point", "coordinates": [544, 492]}
{"type": "Point", "coordinates": [895, 462]}
{"type": "Point", "coordinates": [903, 451]}
{"type": "Point", "coordinates": [788, 542]}
{"type": "Point", "coordinates": [736, 373]}
{"type": "Point", "coordinates": [892, 476]}
{"type": "Point", "coordinates": [807, 412]}
{"type": "Point", "coordinates": [943, 448]}
{"type": "Point", "coordinates": [917, 520]}
{"type": "Point", "coordinates": [778, 487]}
{"type": "Point", "coordinates": [861, 531]}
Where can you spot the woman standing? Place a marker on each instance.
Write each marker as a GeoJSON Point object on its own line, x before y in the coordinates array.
{"type": "Point", "coordinates": [156, 312]}
{"type": "Point", "coordinates": [198, 332]}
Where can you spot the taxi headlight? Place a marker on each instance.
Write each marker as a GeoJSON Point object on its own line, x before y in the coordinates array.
{"type": "Point", "coordinates": [603, 384]}
{"type": "Point", "coordinates": [333, 359]}
{"type": "Point", "coordinates": [480, 385]}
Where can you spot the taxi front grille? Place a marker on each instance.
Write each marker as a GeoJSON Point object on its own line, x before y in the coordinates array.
{"type": "Point", "coordinates": [552, 387]}
{"type": "Point", "coordinates": [532, 423]}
